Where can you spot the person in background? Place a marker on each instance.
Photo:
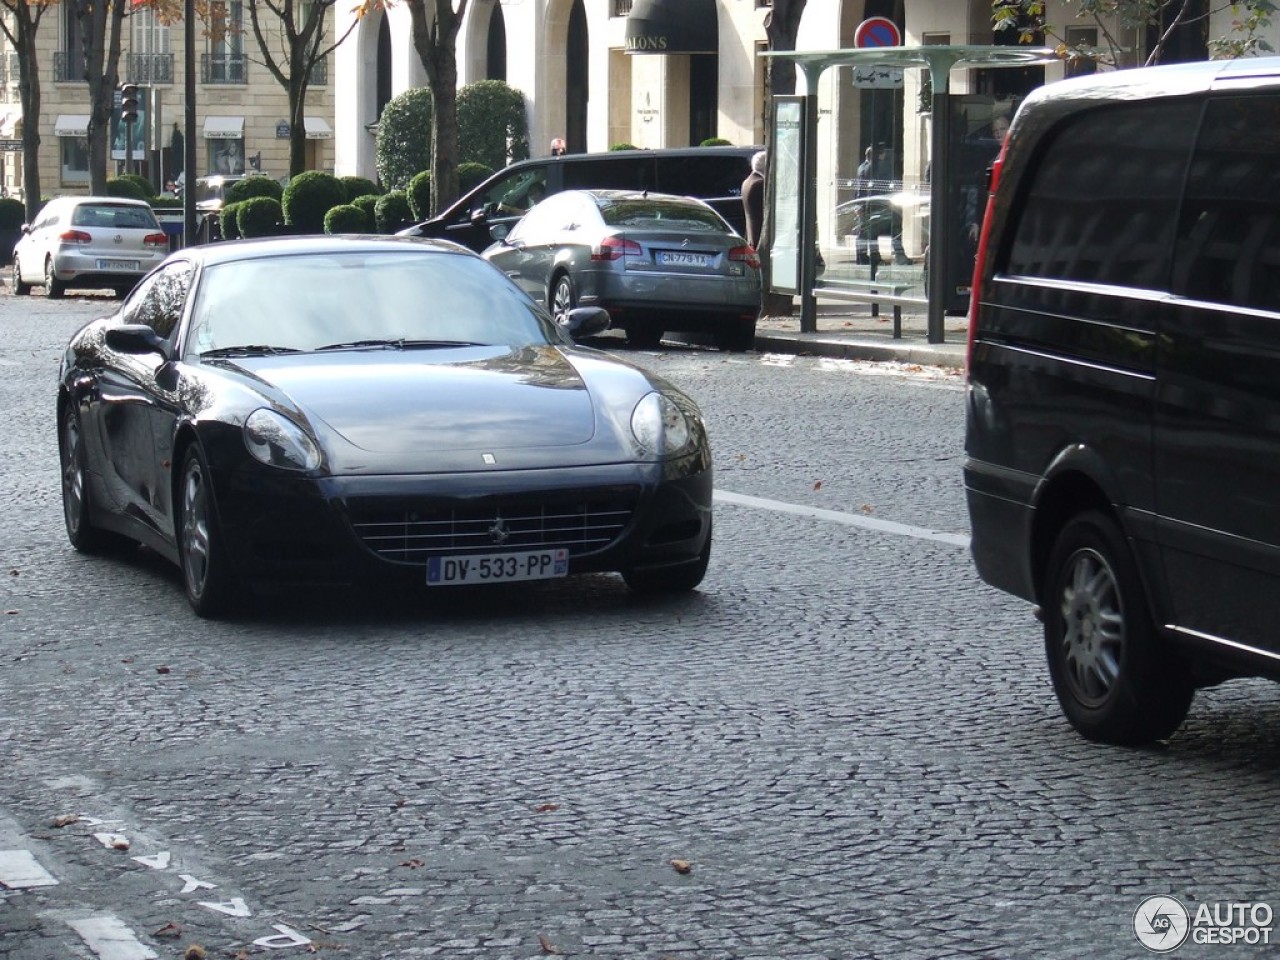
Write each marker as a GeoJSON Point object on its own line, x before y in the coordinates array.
{"type": "Point", "coordinates": [753, 197]}
{"type": "Point", "coordinates": [558, 147]}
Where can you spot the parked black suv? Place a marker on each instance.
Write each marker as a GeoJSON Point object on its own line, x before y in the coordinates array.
{"type": "Point", "coordinates": [713, 174]}
{"type": "Point", "coordinates": [1123, 421]}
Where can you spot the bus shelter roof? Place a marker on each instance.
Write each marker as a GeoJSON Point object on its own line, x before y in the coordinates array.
{"type": "Point", "coordinates": [940, 58]}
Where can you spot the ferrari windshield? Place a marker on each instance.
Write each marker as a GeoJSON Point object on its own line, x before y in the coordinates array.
{"type": "Point", "coordinates": [361, 299]}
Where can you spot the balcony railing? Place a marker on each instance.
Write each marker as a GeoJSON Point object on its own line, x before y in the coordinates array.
{"type": "Point", "coordinates": [148, 68]}
{"type": "Point", "coordinates": [68, 67]}
{"type": "Point", "coordinates": [621, 7]}
{"type": "Point", "coordinates": [224, 68]}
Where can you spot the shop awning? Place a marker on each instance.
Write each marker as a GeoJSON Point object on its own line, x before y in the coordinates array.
{"type": "Point", "coordinates": [224, 128]}
{"type": "Point", "coordinates": [71, 125]}
{"type": "Point", "coordinates": [672, 26]}
{"type": "Point", "coordinates": [318, 128]}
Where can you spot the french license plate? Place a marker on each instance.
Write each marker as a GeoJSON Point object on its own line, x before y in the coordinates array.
{"type": "Point", "coordinates": [130, 265]}
{"type": "Point", "coordinates": [679, 258]}
{"type": "Point", "coordinates": [497, 567]}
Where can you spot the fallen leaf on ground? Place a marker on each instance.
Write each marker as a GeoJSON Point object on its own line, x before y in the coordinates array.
{"type": "Point", "coordinates": [817, 485]}
{"type": "Point", "coordinates": [162, 670]}
{"type": "Point", "coordinates": [172, 930]}
{"type": "Point", "coordinates": [682, 866]}
{"type": "Point", "coordinates": [547, 807]}
{"type": "Point", "coordinates": [547, 946]}
{"type": "Point", "coordinates": [867, 508]}
{"type": "Point", "coordinates": [195, 952]}
{"type": "Point", "coordinates": [413, 864]}
{"type": "Point", "coordinates": [66, 819]}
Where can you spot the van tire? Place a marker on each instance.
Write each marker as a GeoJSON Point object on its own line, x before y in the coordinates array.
{"type": "Point", "coordinates": [1116, 682]}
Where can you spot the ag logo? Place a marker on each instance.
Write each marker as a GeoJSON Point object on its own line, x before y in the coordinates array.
{"type": "Point", "coordinates": [1161, 923]}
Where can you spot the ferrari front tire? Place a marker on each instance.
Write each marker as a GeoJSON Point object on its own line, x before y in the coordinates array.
{"type": "Point", "coordinates": [81, 532]}
{"type": "Point", "coordinates": [206, 574]}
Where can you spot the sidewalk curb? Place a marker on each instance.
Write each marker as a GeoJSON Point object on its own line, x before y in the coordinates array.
{"type": "Point", "coordinates": [941, 355]}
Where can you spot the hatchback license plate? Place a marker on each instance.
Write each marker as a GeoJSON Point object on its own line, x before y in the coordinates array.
{"type": "Point", "coordinates": [497, 567]}
{"type": "Point", "coordinates": [130, 265]}
{"type": "Point", "coordinates": [678, 258]}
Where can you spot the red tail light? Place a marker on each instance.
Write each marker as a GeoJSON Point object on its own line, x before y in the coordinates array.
{"type": "Point", "coordinates": [746, 255]}
{"type": "Point", "coordinates": [980, 260]}
{"type": "Point", "coordinates": [156, 240]}
{"type": "Point", "coordinates": [615, 248]}
{"type": "Point", "coordinates": [74, 236]}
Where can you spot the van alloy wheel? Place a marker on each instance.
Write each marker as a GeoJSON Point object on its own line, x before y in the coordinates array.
{"type": "Point", "coordinates": [1116, 680]}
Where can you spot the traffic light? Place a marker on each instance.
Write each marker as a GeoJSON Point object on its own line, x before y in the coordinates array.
{"type": "Point", "coordinates": [129, 103]}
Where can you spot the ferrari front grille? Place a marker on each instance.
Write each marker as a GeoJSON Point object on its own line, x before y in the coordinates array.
{"type": "Point", "coordinates": [414, 532]}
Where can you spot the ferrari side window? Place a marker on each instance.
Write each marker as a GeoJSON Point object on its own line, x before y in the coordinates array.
{"type": "Point", "coordinates": [158, 302]}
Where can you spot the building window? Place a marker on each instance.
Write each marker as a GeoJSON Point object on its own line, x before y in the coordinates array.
{"type": "Point", "coordinates": [621, 7]}
{"type": "Point", "coordinates": [225, 61]}
{"type": "Point", "coordinates": [75, 159]}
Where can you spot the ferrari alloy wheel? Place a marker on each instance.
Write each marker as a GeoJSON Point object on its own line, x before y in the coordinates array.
{"type": "Point", "coordinates": [563, 297]}
{"type": "Point", "coordinates": [52, 285]}
{"type": "Point", "coordinates": [204, 567]}
{"type": "Point", "coordinates": [1114, 679]}
{"type": "Point", "coordinates": [75, 489]}
{"type": "Point", "coordinates": [679, 579]}
{"type": "Point", "coordinates": [20, 286]}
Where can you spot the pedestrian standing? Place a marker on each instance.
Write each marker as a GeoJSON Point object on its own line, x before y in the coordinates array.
{"type": "Point", "coordinates": [753, 197]}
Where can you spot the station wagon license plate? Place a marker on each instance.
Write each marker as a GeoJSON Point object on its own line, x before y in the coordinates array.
{"type": "Point", "coordinates": [122, 265]}
{"type": "Point", "coordinates": [679, 258]}
{"type": "Point", "coordinates": [497, 567]}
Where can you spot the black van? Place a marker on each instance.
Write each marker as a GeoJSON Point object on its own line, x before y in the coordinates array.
{"type": "Point", "coordinates": [1123, 418]}
{"type": "Point", "coordinates": [713, 174]}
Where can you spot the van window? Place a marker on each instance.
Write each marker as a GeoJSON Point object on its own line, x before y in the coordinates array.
{"type": "Point", "coordinates": [713, 175]}
{"type": "Point", "coordinates": [517, 193]}
{"type": "Point", "coordinates": [1228, 248]}
{"type": "Point", "coordinates": [1102, 204]}
{"type": "Point", "coordinates": [610, 173]}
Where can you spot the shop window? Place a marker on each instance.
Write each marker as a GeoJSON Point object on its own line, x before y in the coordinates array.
{"type": "Point", "coordinates": [75, 159]}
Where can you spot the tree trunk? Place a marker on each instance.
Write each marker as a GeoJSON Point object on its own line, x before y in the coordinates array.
{"type": "Point", "coordinates": [29, 94]}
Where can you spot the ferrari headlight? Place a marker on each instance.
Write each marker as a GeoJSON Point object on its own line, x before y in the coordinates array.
{"type": "Point", "coordinates": [279, 442]}
{"type": "Point", "coordinates": [660, 426]}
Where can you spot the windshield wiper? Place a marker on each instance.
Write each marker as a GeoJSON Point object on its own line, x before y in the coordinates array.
{"type": "Point", "coordinates": [401, 344]}
{"type": "Point", "coordinates": [246, 350]}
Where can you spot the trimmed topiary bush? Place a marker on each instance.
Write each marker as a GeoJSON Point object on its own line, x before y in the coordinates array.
{"type": "Point", "coordinates": [347, 218]}
{"type": "Point", "coordinates": [128, 188]}
{"type": "Point", "coordinates": [392, 211]}
{"type": "Point", "coordinates": [420, 195]}
{"type": "Point", "coordinates": [624, 146]}
{"type": "Point", "coordinates": [229, 221]}
{"type": "Point", "coordinates": [472, 175]}
{"type": "Point", "coordinates": [368, 202]}
{"type": "Point", "coordinates": [254, 187]}
{"type": "Point", "coordinates": [308, 197]}
{"type": "Point", "coordinates": [359, 187]}
{"type": "Point", "coordinates": [404, 138]}
{"type": "Point", "coordinates": [715, 142]}
{"type": "Point", "coordinates": [493, 127]}
{"type": "Point", "coordinates": [259, 217]}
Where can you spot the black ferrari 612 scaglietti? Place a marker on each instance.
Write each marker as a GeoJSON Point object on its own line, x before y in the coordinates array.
{"type": "Point", "coordinates": [335, 410]}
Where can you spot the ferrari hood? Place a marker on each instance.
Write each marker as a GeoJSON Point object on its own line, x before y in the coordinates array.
{"type": "Point", "coordinates": [388, 401]}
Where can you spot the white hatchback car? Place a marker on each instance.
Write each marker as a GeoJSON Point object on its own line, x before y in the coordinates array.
{"type": "Point", "coordinates": [88, 242]}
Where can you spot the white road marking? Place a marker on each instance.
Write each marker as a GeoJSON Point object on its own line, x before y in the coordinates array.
{"type": "Point", "coordinates": [848, 519]}
{"type": "Point", "coordinates": [110, 939]}
{"type": "Point", "coordinates": [19, 868]}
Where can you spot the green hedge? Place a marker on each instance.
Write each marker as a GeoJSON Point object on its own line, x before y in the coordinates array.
{"type": "Point", "coordinates": [13, 213]}
{"type": "Point", "coordinates": [472, 175]}
{"type": "Point", "coordinates": [259, 217]}
{"type": "Point", "coordinates": [130, 186]}
{"type": "Point", "coordinates": [392, 211]}
{"type": "Point", "coordinates": [359, 187]}
{"type": "Point", "coordinates": [254, 187]}
{"type": "Point", "coordinates": [493, 128]}
{"type": "Point", "coordinates": [404, 138]}
{"type": "Point", "coordinates": [419, 193]}
{"type": "Point", "coordinates": [347, 218]}
{"type": "Point", "coordinates": [308, 197]}
{"type": "Point", "coordinates": [229, 221]}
